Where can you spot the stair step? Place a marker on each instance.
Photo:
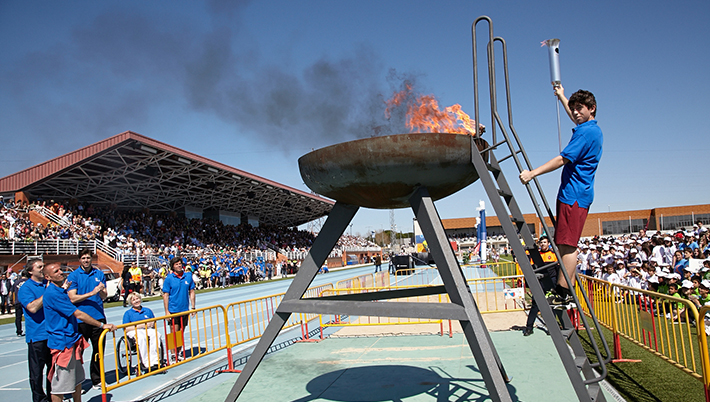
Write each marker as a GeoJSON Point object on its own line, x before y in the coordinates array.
{"type": "Point", "coordinates": [567, 333]}
{"type": "Point", "coordinates": [595, 392]}
{"type": "Point", "coordinates": [581, 361]}
{"type": "Point", "coordinates": [504, 193]}
{"type": "Point", "coordinates": [493, 168]}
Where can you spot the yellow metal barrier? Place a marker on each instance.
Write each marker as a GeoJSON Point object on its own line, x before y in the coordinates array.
{"type": "Point", "coordinates": [202, 334]}
{"type": "Point", "coordinates": [705, 328]}
{"type": "Point", "coordinates": [659, 323]}
{"type": "Point", "coordinates": [382, 320]}
{"type": "Point", "coordinates": [378, 279]}
{"type": "Point", "coordinates": [250, 318]}
{"type": "Point", "coordinates": [206, 331]}
{"type": "Point", "coordinates": [492, 294]}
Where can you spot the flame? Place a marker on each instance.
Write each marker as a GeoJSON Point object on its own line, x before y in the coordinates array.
{"type": "Point", "coordinates": [423, 114]}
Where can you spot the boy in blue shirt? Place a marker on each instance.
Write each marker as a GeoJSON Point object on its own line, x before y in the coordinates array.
{"type": "Point", "coordinates": [64, 340]}
{"type": "Point", "coordinates": [87, 291]}
{"type": "Point", "coordinates": [579, 159]}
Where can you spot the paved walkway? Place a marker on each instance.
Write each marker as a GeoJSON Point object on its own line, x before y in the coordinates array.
{"type": "Point", "coordinates": [392, 365]}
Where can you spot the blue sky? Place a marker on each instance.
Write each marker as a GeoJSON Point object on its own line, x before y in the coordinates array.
{"type": "Point", "coordinates": [256, 84]}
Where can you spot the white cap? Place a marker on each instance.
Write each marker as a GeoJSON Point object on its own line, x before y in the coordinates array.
{"type": "Point", "coordinates": [633, 250]}
{"type": "Point", "coordinates": [706, 283]}
{"type": "Point", "coordinates": [653, 279]}
{"type": "Point", "coordinates": [687, 284]}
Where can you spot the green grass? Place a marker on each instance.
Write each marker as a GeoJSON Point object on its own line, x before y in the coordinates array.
{"type": "Point", "coordinates": [651, 380]}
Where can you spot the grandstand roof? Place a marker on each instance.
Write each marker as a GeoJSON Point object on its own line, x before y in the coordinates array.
{"type": "Point", "coordinates": [132, 171]}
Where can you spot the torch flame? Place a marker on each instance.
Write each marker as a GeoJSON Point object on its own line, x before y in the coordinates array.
{"type": "Point", "coordinates": [423, 114]}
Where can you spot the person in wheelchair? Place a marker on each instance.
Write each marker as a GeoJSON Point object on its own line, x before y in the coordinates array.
{"type": "Point", "coordinates": [144, 335]}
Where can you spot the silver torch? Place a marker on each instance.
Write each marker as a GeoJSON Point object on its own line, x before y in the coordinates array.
{"type": "Point", "coordinates": [553, 51]}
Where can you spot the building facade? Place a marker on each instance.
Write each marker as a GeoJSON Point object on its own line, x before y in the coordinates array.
{"type": "Point", "coordinates": [599, 224]}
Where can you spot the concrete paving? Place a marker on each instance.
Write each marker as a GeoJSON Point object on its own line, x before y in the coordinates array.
{"type": "Point", "coordinates": [394, 363]}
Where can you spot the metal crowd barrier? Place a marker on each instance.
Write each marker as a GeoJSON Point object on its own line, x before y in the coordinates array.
{"type": "Point", "coordinates": [661, 324]}
{"type": "Point", "coordinates": [202, 335]}
{"type": "Point", "coordinates": [340, 320]}
{"type": "Point", "coordinates": [492, 293]}
{"type": "Point", "coordinates": [208, 330]}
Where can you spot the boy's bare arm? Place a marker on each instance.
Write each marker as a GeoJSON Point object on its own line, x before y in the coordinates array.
{"type": "Point", "coordinates": [560, 93]}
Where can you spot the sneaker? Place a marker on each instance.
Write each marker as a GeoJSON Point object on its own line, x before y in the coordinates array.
{"type": "Point", "coordinates": [559, 300]}
{"type": "Point", "coordinates": [96, 387]}
{"type": "Point", "coordinates": [528, 331]}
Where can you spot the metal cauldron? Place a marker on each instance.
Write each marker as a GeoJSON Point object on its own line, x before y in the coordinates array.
{"type": "Point", "coordinates": [383, 172]}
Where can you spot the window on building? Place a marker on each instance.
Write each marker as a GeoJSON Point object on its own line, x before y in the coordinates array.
{"type": "Point", "coordinates": [687, 221]}
{"type": "Point", "coordinates": [623, 226]}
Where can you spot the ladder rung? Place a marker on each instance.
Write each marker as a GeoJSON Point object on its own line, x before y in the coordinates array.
{"type": "Point", "coordinates": [509, 156]}
{"type": "Point", "coordinates": [492, 147]}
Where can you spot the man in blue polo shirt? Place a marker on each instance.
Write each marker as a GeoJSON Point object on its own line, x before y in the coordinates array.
{"type": "Point", "coordinates": [87, 291]}
{"type": "Point", "coordinates": [63, 338]}
{"type": "Point", "coordinates": [579, 159]}
{"type": "Point", "coordinates": [30, 295]}
{"type": "Point", "coordinates": [178, 296]}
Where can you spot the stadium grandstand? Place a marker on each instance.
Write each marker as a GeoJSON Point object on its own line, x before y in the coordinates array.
{"type": "Point", "coordinates": [94, 192]}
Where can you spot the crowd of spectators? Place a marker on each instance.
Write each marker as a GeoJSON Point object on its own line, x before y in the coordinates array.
{"type": "Point", "coordinates": [675, 264]}
{"type": "Point", "coordinates": [216, 253]}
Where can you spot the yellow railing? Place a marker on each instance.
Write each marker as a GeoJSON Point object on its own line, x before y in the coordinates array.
{"type": "Point", "coordinates": [659, 323]}
{"type": "Point", "coordinates": [705, 328]}
{"type": "Point", "coordinates": [250, 318]}
{"type": "Point", "coordinates": [208, 330]}
{"type": "Point", "coordinates": [492, 294]}
{"type": "Point", "coordinates": [203, 334]}
{"type": "Point", "coordinates": [338, 320]}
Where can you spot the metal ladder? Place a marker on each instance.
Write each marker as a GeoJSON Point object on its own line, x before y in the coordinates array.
{"type": "Point", "coordinates": [581, 372]}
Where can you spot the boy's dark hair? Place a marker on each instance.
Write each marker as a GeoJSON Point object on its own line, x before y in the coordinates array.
{"type": "Point", "coordinates": [85, 251]}
{"type": "Point", "coordinates": [585, 98]}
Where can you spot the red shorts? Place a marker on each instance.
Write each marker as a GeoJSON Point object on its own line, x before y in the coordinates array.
{"type": "Point", "coordinates": [570, 223]}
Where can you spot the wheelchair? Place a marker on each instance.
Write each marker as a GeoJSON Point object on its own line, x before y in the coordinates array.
{"type": "Point", "coordinates": [127, 353]}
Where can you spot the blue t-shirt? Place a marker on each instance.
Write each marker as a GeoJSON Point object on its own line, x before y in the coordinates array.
{"type": "Point", "coordinates": [61, 324]}
{"type": "Point", "coordinates": [34, 322]}
{"type": "Point", "coordinates": [84, 283]}
{"type": "Point", "coordinates": [133, 315]}
{"type": "Point", "coordinates": [178, 290]}
{"type": "Point", "coordinates": [583, 152]}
